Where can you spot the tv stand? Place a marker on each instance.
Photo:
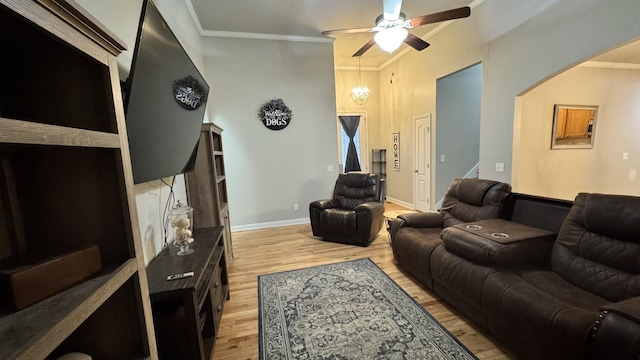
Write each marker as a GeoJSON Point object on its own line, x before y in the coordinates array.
{"type": "Point", "coordinates": [187, 311]}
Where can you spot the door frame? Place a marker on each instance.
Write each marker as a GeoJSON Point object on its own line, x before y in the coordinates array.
{"type": "Point", "coordinates": [429, 117]}
{"type": "Point", "coordinates": [364, 132]}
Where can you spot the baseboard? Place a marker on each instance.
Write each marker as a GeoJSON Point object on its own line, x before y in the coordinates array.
{"type": "Point", "coordinates": [400, 202]}
{"type": "Point", "coordinates": [302, 221]}
{"type": "Point", "coordinates": [270, 224]}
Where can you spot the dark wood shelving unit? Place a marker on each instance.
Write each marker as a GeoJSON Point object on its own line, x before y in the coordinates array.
{"type": "Point", "coordinates": [207, 186]}
{"type": "Point", "coordinates": [379, 162]}
{"type": "Point", "coordinates": [187, 312]}
{"type": "Point", "coordinates": [66, 183]}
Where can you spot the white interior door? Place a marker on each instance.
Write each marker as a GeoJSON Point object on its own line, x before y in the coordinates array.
{"type": "Point", "coordinates": [422, 169]}
{"type": "Point", "coordinates": [361, 140]}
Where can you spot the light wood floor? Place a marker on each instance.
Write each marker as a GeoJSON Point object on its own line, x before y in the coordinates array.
{"type": "Point", "coordinates": [272, 250]}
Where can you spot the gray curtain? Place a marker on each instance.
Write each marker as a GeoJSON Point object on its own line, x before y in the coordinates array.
{"type": "Point", "coordinates": [350, 125]}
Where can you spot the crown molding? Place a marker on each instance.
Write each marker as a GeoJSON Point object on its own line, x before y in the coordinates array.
{"type": "Point", "coordinates": [260, 36]}
{"type": "Point", "coordinates": [248, 35]}
{"type": "Point", "coordinates": [610, 65]}
{"type": "Point", "coordinates": [355, 68]}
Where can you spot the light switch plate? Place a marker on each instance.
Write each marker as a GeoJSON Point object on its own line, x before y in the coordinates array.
{"type": "Point", "coordinates": [499, 167]}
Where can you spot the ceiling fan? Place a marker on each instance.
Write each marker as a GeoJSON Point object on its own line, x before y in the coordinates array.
{"type": "Point", "coordinates": [391, 27]}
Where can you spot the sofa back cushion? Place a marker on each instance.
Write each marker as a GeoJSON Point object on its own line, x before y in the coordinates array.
{"type": "Point", "coordinates": [356, 188]}
{"type": "Point", "coordinates": [470, 200]}
{"type": "Point", "coordinates": [598, 247]}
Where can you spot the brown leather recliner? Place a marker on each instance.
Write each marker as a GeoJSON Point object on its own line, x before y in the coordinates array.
{"type": "Point", "coordinates": [414, 236]}
{"type": "Point", "coordinates": [355, 213]}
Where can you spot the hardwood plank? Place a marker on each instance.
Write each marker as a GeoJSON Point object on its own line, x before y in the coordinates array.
{"type": "Point", "coordinates": [272, 250]}
{"type": "Point", "coordinates": [27, 132]}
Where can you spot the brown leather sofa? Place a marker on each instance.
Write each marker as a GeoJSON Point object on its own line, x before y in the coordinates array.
{"type": "Point", "coordinates": [354, 215]}
{"type": "Point", "coordinates": [576, 296]}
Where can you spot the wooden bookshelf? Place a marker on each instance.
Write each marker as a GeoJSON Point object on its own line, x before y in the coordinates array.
{"type": "Point", "coordinates": [66, 182]}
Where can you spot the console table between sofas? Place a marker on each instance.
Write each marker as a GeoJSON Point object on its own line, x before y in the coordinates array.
{"type": "Point", "coordinates": [187, 312]}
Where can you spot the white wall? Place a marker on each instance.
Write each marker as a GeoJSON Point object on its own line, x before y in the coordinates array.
{"type": "Point", "coordinates": [566, 172]}
{"type": "Point", "coordinates": [269, 171]}
{"type": "Point", "coordinates": [563, 35]}
{"type": "Point", "coordinates": [122, 18]}
{"type": "Point", "coordinates": [458, 105]}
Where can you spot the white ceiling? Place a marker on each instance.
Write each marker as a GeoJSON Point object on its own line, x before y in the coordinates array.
{"type": "Point", "coordinates": [304, 20]}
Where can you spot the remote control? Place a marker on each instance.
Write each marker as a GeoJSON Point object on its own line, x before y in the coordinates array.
{"type": "Point", "coordinates": [180, 276]}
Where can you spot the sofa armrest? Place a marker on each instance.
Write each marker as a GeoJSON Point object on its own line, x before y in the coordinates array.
{"type": "Point", "coordinates": [323, 204]}
{"type": "Point", "coordinates": [629, 309]}
{"type": "Point", "coordinates": [315, 209]}
{"type": "Point", "coordinates": [423, 220]}
{"type": "Point", "coordinates": [416, 220]}
{"type": "Point", "coordinates": [616, 333]}
{"type": "Point", "coordinates": [369, 220]}
{"type": "Point", "coordinates": [375, 208]}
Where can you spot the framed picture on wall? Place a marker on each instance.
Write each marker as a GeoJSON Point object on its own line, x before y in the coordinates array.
{"type": "Point", "coordinates": [573, 126]}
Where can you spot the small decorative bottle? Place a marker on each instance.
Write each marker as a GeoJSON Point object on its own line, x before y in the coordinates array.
{"type": "Point", "coordinates": [181, 218]}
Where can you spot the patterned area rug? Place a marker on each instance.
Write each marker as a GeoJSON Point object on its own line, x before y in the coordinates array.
{"type": "Point", "coordinates": [348, 310]}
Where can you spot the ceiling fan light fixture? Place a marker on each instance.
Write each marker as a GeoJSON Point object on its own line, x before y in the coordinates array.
{"type": "Point", "coordinates": [390, 39]}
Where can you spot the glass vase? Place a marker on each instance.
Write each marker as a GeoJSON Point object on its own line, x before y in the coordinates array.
{"type": "Point", "coordinates": [181, 219]}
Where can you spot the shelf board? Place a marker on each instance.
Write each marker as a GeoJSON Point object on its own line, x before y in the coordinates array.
{"type": "Point", "coordinates": [35, 332]}
{"type": "Point", "coordinates": [218, 153]}
{"type": "Point", "coordinates": [27, 132]}
{"type": "Point", "coordinates": [220, 179]}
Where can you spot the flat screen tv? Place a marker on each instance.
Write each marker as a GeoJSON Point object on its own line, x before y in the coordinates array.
{"type": "Point", "coordinates": [165, 97]}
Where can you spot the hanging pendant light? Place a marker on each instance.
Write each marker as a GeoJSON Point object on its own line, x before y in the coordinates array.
{"type": "Point", "coordinates": [360, 93]}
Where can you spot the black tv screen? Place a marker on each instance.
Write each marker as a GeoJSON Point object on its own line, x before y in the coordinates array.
{"type": "Point", "coordinates": [165, 97]}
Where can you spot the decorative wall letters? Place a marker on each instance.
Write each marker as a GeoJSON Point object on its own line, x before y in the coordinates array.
{"type": "Point", "coordinates": [396, 151]}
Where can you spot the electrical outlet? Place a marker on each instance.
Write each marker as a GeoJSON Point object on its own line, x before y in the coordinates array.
{"type": "Point", "coordinates": [499, 167]}
{"type": "Point", "coordinates": [441, 158]}
{"type": "Point", "coordinates": [295, 207]}
{"type": "Point", "coordinates": [329, 168]}
{"type": "Point", "coordinates": [625, 156]}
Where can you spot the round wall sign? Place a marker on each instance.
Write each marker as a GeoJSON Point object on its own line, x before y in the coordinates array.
{"type": "Point", "coordinates": [274, 114]}
{"type": "Point", "coordinates": [189, 94]}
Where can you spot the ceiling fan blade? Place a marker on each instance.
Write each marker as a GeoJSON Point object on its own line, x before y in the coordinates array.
{"type": "Point", "coordinates": [364, 49]}
{"type": "Point", "coordinates": [391, 9]}
{"type": "Point", "coordinates": [346, 31]}
{"type": "Point", "coordinates": [415, 42]}
{"type": "Point", "coordinates": [441, 16]}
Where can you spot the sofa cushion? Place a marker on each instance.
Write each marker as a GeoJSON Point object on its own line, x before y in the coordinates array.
{"type": "Point", "coordinates": [354, 189]}
{"type": "Point", "coordinates": [474, 199]}
{"type": "Point", "coordinates": [596, 248]}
